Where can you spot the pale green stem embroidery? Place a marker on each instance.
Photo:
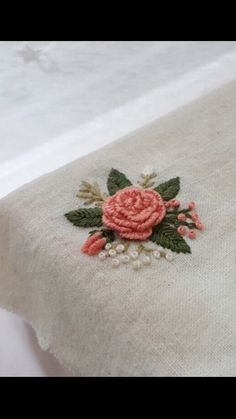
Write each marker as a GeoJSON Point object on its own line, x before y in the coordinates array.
{"type": "Point", "coordinates": [126, 246]}
{"type": "Point", "coordinates": [141, 248]}
{"type": "Point", "coordinates": [146, 180]}
{"type": "Point", "coordinates": [91, 193]}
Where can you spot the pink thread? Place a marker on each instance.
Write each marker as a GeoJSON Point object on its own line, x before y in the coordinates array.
{"type": "Point", "coordinates": [174, 203]}
{"type": "Point", "coordinates": [199, 225]}
{"type": "Point", "coordinates": [132, 212]}
{"type": "Point", "coordinates": [182, 230]}
{"type": "Point", "coordinates": [94, 244]}
{"type": "Point", "coordinates": [181, 217]}
{"type": "Point", "coordinates": [195, 216]}
{"type": "Point", "coordinates": [191, 205]}
{"type": "Point", "coordinates": [192, 234]}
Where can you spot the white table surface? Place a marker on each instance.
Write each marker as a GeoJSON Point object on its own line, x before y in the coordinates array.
{"type": "Point", "coordinates": [62, 100]}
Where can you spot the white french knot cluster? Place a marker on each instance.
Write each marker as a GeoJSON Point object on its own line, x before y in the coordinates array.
{"type": "Point", "coordinates": [118, 254]}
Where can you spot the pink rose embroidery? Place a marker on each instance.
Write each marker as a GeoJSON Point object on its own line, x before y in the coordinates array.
{"type": "Point", "coordinates": [127, 215]}
{"type": "Point", "coordinates": [133, 211]}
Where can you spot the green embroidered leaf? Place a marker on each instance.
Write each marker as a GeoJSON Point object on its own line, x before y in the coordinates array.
{"type": "Point", "coordinates": [85, 217]}
{"type": "Point", "coordinates": [116, 181]}
{"type": "Point", "coordinates": [109, 234]}
{"type": "Point", "coordinates": [165, 235]}
{"type": "Point", "coordinates": [168, 190]}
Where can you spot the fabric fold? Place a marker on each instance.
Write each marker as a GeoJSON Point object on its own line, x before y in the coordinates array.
{"type": "Point", "coordinates": [171, 319]}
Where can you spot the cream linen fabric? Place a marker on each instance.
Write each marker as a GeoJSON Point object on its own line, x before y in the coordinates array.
{"type": "Point", "coordinates": [170, 319]}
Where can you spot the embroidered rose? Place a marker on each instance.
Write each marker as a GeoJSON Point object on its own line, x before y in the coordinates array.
{"type": "Point", "coordinates": [133, 211]}
{"type": "Point", "coordinates": [139, 212]}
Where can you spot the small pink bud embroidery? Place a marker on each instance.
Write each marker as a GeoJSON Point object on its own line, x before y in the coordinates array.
{"type": "Point", "coordinates": [199, 225]}
{"type": "Point", "coordinates": [191, 205]}
{"type": "Point", "coordinates": [192, 234]}
{"type": "Point", "coordinates": [182, 230]}
{"type": "Point", "coordinates": [181, 217]}
{"type": "Point", "coordinates": [174, 203]}
{"type": "Point", "coordinates": [194, 216]}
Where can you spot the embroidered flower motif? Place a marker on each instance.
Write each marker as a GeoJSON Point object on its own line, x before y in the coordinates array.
{"type": "Point", "coordinates": [132, 212]}
{"type": "Point", "coordinates": [129, 215]}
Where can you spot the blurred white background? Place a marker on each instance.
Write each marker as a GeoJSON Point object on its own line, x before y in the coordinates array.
{"type": "Point", "coordinates": [62, 100]}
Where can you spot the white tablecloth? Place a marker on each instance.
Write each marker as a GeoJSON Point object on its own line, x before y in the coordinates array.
{"type": "Point", "coordinates": [60, 101]}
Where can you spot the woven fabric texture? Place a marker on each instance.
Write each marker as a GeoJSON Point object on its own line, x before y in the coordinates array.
{"type": "Point", "coordinates": [170, 319]}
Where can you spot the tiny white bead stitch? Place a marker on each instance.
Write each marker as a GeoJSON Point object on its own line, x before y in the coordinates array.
{"type": "Point", "coordinates": [120, 248]}
{"type": "Point", "coordinates": [157, 254]}
{"type": "Point", "coordinates": [146, 260]}
{"type": "Point", "coordinates": [148, 170]}
{"type": "Point", "coordinates": [115, 263]}
{"type": "Point", "coordinates": [169, 256]}
{"type": "Point", "coordinates": [134, 255]}
{"type": "Point", "coordinates": [102, 255]}
{"type": "Point", "coordinates": [108, 246]}
{"type": "Point", "coordinates": [112, 253]}
{"type": "Point", "coordinates": [125, 258]}
{"type": "Point", "coordinates": [137, 265]}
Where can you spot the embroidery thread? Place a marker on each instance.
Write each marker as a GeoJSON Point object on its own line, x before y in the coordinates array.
{"type": "Point", "coordinates": [132, 215]}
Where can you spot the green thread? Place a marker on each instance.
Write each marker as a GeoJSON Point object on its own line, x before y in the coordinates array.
{"type": "Point", "coordinates": [116, 181]}
{"type": "Point", "coordinates": [166, 236]}
{"type": "Point", "coordinates": [181, 211]}
{"type": "Point", "coordinates": [126, 246]}
{"type": "Point", "coordinates": [141, 248]}
{"type": "Point", "coordinates": [146, 180]}
{"type": "Point", "coordinates": [185, 223]}
{"type": "Point", "coordinates": [171, 218]}
{"type": "Point", "coordinates": [85, 217]}
{"type": "Point", "coordinates": [91, 193]}
{"type": "Point", "coordinates": [168, 190]}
